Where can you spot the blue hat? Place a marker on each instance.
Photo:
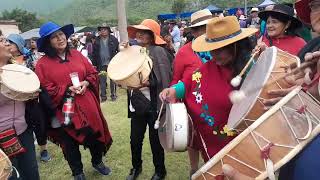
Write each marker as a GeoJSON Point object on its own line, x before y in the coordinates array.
{"type": "Point", "coordinates": [49, 28]}
{"type": "Point", "coordinates": [18, 41]}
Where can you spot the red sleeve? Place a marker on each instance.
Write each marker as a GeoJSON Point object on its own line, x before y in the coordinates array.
{"type": "Point", "coordinates": [178, 68]}
{"type": "Point", "coordinates": [55, 91]}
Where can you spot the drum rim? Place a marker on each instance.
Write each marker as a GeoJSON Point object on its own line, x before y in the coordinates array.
{"type": "Point", "coordinates": [4, 80]}
{"type": "Point", "coordinates": [117, 56]}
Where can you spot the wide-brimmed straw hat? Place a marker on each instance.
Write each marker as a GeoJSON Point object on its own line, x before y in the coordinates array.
{"type": "Point", "coordinates": [200, 18]}
{"type": "Point", "coordinates": [254, 10]}
{"type": "Point", "coordinates": [281, 10]}
{"type": "Point", "coordinates": [220, 32]}
{"type": "Point", "coordinates": [49, 28]}
{"type": "Point", "coordinates": [303, 10]}
{"type": "Point", "coordinates": [147, 24]}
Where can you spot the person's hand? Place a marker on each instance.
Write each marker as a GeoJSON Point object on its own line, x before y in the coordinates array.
{"type": "Point", "coordinates": [233, 174]}
{"type": "Point", "coordinates": [168, 95]}
{"type": "Point", "coordinates": [123, 45]}
{"type": "Point", "coordinates": [260, 47]}
{"type": "Point", "coordinates": [314, 56]}
{"type": "Point", "coordinates": [83, 87]}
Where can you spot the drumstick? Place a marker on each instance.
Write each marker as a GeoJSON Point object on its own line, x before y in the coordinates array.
{"type": "Point", "coordinates": [156, 124]}
{"type": "Point", "coordinates": [235, 82]}
{"type": "Point", "coordinates": [238, 95]}
{"type": "Point", "coordinates": [26, 71]}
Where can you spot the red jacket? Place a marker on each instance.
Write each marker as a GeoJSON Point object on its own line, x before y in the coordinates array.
{"type": "Point", "coordinates": [290, 44]}
{"type": "Point", "coordinates": [185, 63]}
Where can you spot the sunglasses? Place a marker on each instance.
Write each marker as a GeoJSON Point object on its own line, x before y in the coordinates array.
{"type": "Point", "coordinates": [314, 5]}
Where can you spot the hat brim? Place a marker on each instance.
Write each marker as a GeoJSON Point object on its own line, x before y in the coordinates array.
{"type": "Point", "coordinates": [295, 23]}
{"type": "Point", "coordinates": [205, 22]}
{"type": "Point", "coordinates": [108, 27]}
{"type": "Point", "coordinates": [201, 44]}
{"type": "Point", "coordinates": [132, 31]}
{"type": "Point", "coordinates": [68, 30]}
{"type": "Point", "coordinates": [303, 10]}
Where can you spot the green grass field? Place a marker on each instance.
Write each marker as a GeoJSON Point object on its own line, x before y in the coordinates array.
{"type": "Point", "coordinates": [119, 156]}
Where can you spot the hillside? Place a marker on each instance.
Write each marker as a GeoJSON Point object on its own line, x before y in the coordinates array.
{"type": "Point", "coordinates": [93, 12]}
{"type": "Point", "coordinates": [38, 6]}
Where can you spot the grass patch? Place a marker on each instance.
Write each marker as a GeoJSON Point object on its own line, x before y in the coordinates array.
{"type": "Point", "coordinates": [119, 156]}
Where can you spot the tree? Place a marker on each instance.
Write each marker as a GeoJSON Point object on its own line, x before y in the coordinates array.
{"type": "Point", "coordinates": [26, 20]}
{"type": "Point", "coordinates": [122, 20]}
{"type": "Point", "coordinates": [178, 6]}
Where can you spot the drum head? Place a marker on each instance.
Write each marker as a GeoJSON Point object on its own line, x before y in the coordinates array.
{"type": "Point", "coordinates": [174, 128]}
{"type": "Point", "coordinates": [19, 78]}
{"type": "Point", "coordinates": [257, 77]}
{"type": "Point", "coordinates": [127, 62]}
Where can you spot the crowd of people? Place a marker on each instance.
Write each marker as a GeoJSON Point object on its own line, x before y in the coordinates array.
{"type": "Point", "coordinates": [193, 62]}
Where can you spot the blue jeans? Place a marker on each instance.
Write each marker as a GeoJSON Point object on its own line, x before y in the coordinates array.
{"type": "Point", "coordinates": [26, 163]}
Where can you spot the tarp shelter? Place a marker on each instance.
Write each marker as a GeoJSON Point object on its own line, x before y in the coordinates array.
{"type": "Point", "coordinates": [214, 9]}
{"type": "Point", "coordinates": [266, 3]}
{"type": "Point", "coordinates": [167, 16]}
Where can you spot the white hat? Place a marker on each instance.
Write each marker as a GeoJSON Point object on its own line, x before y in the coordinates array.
{"type": "Point", "coordinates": [254, 10]}
{"type": "Point", "coordinates": [200, 18]}
{"type": "Point", "coordinates": [242, 17]}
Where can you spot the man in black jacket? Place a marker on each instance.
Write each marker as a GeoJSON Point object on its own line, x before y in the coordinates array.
{"type": "Point", "coordinates": [105, 48]}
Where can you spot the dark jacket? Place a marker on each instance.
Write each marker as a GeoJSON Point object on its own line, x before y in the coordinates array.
{"type": "Point", "coordinates": [160, 76]}
{"type": "Point", "coordinates": [113, 45]}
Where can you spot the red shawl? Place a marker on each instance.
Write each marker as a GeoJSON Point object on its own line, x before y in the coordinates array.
{"type": "Point", "coordinates": [88, 119]}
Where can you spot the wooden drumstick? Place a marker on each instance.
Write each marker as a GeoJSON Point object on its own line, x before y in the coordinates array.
{"type": "Point", "coordinates": [235, 82]}
{"type": "Point", "coordinates": [238, 95]}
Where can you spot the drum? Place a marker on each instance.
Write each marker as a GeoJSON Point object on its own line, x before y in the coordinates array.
{"type": "Point", "coordinates": [130, 67]}
{"type": "Point", "coordinates": [271, 141]}
{"type": "Point", "coordinates": [272, 64]}
{"type": "Point", "coordinates": [174, 128]}
{"type": "Point", "coordinates": [19, 83]}
{"type": "Point", "coordinates": [5, 166]}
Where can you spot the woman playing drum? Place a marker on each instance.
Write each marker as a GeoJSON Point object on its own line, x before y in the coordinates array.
{"type": "Point", "coordinates": [12, 117]}
{"type": "Point", "coordinates": [206, 91]}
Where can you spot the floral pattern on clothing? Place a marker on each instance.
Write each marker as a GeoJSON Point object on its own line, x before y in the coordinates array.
{"type": "Point", "coordinates": [222, 132]}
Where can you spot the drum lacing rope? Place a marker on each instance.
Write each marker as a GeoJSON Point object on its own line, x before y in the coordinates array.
{"type": "Point", "coordinates": [265, 154]}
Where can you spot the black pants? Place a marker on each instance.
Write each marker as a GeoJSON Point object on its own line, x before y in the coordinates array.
{"type": "Point", "coordinates": [73, 156]}
{"type": "Point", "coordinates": [138, 129]}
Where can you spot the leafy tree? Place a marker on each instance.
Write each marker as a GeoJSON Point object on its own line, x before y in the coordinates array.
{"type": "Point", "coordinates": [26, 20]}
{"type": "Point", "coordinates": [178, 6]}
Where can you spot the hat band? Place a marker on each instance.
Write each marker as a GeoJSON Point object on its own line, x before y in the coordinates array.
{"type": "Point", "coordinates": [201, 19]}
{"type": "Point", "coordinates": [212, 40]}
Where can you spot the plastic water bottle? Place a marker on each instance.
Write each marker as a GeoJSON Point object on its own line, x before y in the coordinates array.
{"type": "Point", "coordinates": [68, 110]}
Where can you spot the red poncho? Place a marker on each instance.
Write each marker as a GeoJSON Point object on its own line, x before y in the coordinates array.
{"type": "Point", "coordinates": [88, 119]}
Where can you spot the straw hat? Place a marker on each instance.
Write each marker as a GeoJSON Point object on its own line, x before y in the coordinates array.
{"type": "Point", "coordinates": [281, 10]}
{"type": "Point", "coordinates": [200, 18]}
{"type": "Point", "coordinates": [303, 10]}
{"type": "Point", "coordinates": [254, 10]}
{"type": "Point", "coordinates": [147, 24]}
{"type": "Point", "coordinates": [221, 32]}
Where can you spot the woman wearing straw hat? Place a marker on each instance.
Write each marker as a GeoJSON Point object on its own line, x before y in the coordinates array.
{"type": "Point", "coordinates": [206, 91]}
{"type": "Point", "coordinates": [281, 26]}
{"type": "Point", "coordinates": [305, 165]}
{"type": "Point", "coordinates": [147, 34]}
{"type": "Point", "coordinates": [72, 84]}
{"type": "Point", "coordinates": [186, 62]}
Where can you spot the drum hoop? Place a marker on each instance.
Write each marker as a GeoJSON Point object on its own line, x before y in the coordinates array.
{"type": "Point", "coordinates": [146, 58]}
{"type": "Point", "coordinates": [246, 132]}
{"type": "Point", "coordinates": [16, 90]}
